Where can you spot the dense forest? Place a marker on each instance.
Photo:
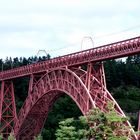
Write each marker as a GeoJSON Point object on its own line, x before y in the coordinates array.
{"type": "Point", "coordinates": [123, 82]}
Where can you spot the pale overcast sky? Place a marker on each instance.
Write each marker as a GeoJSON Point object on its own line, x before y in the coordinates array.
{"type": "Point", "coordinates": [27, 26]}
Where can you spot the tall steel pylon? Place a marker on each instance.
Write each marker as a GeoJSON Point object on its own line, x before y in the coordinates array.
{"type": "Point", "coordinates": [8, 114]}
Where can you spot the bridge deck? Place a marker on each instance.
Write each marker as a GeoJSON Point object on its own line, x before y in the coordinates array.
{"type": "Point", "coordinates": [110, 51]}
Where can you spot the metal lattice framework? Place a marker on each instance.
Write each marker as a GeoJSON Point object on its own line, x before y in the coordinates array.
{"type": "Point", "coordinates": [109, 51]}
{"type": "Point", "coordinates": [86, 88]}
{"type": "Point", "coordinates": [52, 78]}
{"type": "Point", "coordinates": [8, 115]}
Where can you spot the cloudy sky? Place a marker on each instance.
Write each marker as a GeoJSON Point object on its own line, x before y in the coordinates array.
{"type": "Point", "coordinates": [63, 26]}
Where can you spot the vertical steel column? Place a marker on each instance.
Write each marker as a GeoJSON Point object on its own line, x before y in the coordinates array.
{"type": "Point", "coordinates": [103, 74]}
{"type": "Point", "coordinates": [98, 72]}
{"type": "Point", "coordinates": [33, 80]}
{"type": "Point", "coordinates": [8, 116]}
{"type": "Point", "coordinates": [97, 69]}
{"type": "Point", "coordinates": [30, 84]}
{"type": "Point", "coordinates": [88, 76]}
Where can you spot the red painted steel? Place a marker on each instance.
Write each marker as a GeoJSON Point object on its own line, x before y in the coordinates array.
{"type": "Point", "coordinates": [86, 93]}
{"type": "Point", "coordinates": [8, 115]}
{"type": "Point", "coordinates": [52, 78]}
{"type": "Point", "coordinates": [110, 51]}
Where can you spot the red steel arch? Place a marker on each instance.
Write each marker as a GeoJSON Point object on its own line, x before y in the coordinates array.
{"type": "Point", "coordinates": [44, 93]}
{"type": "Point", "coordinates": [86, 88]}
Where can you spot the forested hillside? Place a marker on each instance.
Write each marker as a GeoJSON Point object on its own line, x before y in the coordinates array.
{"type": "Point", "coordinates": [123, 81]}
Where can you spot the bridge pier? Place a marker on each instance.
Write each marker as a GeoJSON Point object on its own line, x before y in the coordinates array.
{"type": "Point", "coordinates": [8, 114]}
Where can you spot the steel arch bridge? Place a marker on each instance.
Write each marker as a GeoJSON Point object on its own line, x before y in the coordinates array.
{"type": "Point", "coordinates": [52, 78]}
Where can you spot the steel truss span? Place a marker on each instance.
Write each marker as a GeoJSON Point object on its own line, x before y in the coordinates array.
{"type": "Point", "coordinates": [110, 51]}
{"type": "Point", "coordinates": [79, 75]}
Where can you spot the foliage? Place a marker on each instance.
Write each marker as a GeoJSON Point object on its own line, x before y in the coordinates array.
{"type": "Point", "coordinates": [121, 73]}
{"type": "Point", "coordinates": [39, 137]}
{"type": "Point", "coordinates": [127, 97]}
{"type": "Point", "coordinates": [96, 125]}
{"type": "Point", "coordinates": [11, 137]}
{"type": "Point", "coordinates": [63, 108]}
{"type": "Point", "coordinates": [1, 137]}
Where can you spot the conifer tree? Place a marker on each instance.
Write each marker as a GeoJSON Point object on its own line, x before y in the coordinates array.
{"type": "Point", "coordinates": [97, 125]}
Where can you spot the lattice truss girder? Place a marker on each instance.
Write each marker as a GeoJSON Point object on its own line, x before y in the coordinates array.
{"type": "Point", "coordinates": [8, 114]}
{"type": "Point", "coordinates": [110, 51]}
